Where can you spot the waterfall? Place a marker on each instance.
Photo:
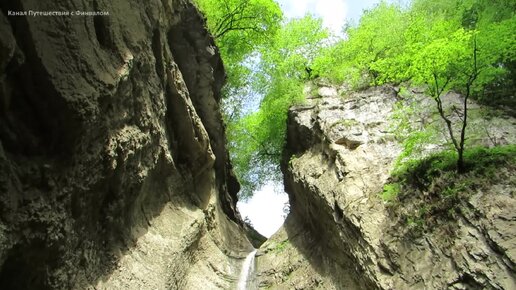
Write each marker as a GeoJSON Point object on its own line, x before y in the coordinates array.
{"type": "Point", "coordinates": [247, 269]}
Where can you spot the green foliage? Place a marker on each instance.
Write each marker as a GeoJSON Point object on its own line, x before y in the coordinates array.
{"type": "Point", "coordinates": [369, 48]}
{"type": "Point", "coordinates": [424, 191]}
{"type": "Point", "coordinates": [281, 245]}
{"type": "Point", "coordinates": [240, 25]}
{"type": "Point", "coordinates": [240, 29]}
{"type": "Point", "coordinates": [257, 139]}
{"type": "Point", "coordinates": [432, 39]}
{"type": "Point", "coordinates": [412, 135]}
{"type": "Point", "coordinates": [413, 145]}
{"type": "Point", "coordinates": [464, 46]}
{"type": "Point", "coordinates": [265, 59]}
{"type": "Point", "coordinates": [467, 46]}
{"type": "Point", "coordinates": [390, 191]}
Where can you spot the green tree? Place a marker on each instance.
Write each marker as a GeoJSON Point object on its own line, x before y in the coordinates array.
{"type": "Point", "coordinates": [369, 49]}
{"type": "Point", "coordinates": [466, 46]}
{"type": "Point", "coordinates": [442, 65]}
{"type": "Point", "coordinates": [464, 54]}
{"type": "Point", "coordinates": [256, 140]}
{"type": "Point", "coordinates": [240, 28]}
{"type": "Point", "coordinates": [494, 23]}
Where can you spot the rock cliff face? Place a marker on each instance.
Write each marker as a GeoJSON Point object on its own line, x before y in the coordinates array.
{"type": "Point", "coordinates": [113, 167]}
{"type": "Point", "coordinates": [114, 172]}
{"type": "Point", "coordinates": [339, 234]}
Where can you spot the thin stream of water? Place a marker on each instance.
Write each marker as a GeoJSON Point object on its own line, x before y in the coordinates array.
{"type": "Point", "coordinates": [247, 270]}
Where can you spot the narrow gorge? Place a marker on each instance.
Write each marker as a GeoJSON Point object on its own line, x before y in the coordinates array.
{"type": "Point", "coordinates": [115, 171]}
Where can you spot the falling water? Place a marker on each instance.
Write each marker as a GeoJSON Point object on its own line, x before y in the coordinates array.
{"type": "Point", "coordinates": [247, 269]}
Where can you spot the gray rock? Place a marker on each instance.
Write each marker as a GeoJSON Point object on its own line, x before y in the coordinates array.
{"type": "Point", "coordinates": [113, 167]}
{"type": "Point", "coordinates": [338, 156]}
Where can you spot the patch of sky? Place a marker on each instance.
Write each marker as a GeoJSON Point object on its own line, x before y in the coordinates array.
{"type": "Point", "coordinates": [265, 209]}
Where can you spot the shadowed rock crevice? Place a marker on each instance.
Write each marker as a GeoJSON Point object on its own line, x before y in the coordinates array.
{"type": "Point", "coordinates": [197, 73]}
{"type": "Point", "coordinates": [157, 49]}
{"type": "Point", "coordinates": [339, 233]}
{"type": "Point", "coordinates": [20, 272]}
{"type": "Point", "coordinates": [113, 167]}
{"type": "Point", "coordinates": [28, 125]}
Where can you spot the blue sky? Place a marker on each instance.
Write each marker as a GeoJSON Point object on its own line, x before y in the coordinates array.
{"type": "Point", "coordinates": [334, 13]}
{"type": "Point", "coordinates": [265, 208]}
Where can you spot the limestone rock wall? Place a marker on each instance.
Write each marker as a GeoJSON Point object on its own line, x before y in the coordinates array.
{"type": "Point", "coordinates": [113, 167]}
{"type": "Point", "coordinates": [339, 235]}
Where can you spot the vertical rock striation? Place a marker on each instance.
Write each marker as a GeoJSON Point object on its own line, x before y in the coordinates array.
{"type": "Point", "coordinates": [113, 167]}
{"type": "Point", "coordinates": [339, 234]}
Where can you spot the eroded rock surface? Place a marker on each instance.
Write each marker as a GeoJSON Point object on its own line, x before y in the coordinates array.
{"type": "Point", "coordinates": [113, 167]}
{"type": "Point", "coordinates": [340, 150]}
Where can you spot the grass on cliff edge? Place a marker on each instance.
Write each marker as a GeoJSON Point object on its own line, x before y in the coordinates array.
{"type": "Point", "coordinates": [422, 193]}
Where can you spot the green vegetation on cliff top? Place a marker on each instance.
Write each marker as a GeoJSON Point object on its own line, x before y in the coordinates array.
{"type": "Point", "coordinates": [424, 192]}
{"type": "Point", "coordinates": [466, 46]}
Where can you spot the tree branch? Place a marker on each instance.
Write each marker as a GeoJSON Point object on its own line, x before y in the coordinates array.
{"type": "Point", "coordinates": [437, 97]}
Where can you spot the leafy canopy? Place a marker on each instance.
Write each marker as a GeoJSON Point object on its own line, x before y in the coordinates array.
{"type": "Point", "coordinates": [468, 46]}
{"type": "Point", "coordinates": [240, 27]}
{"type": "Point", "coordinates": [257, 139]}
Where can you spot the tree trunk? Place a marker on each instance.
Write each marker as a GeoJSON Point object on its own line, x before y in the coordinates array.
{"type": "Point", "coordinates": [460, 162]}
